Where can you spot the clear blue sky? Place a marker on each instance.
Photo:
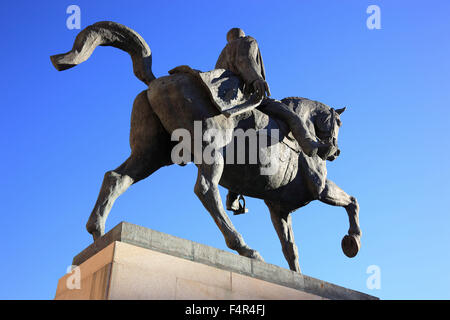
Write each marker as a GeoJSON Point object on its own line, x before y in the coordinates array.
{"type": "Point", "coordinates": [60, 132]}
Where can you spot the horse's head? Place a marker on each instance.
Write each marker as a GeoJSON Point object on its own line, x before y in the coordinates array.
{"type": "Point", "coordinates": [327, 129]}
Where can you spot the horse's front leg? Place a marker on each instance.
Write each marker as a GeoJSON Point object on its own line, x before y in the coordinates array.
{"type": "Point", "coordinates": [335, 196]}
{"type": "Point", "coordinates": [282, 221]}
{"type": "Point", "coordinates": [206, 189]}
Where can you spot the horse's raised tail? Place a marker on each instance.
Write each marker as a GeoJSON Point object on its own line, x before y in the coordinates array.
{"type": "Point", "coordinates": [107, 33]}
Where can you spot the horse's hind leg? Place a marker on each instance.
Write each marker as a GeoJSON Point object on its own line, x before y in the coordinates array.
{"type": "Point", "coordinates": [207, 190]}
{"type": "Point", "coordinates": [114, 184]}
{"type": "Point", "coordinates": [282, 221]}
{"type": "Point", "coordinates": [335, 196]}
{"type": "Point", "coordinates": [150, 151]}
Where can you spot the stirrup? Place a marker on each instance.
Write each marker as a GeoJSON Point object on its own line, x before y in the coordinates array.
{"type": "Point", "coordinates": [242, 209]}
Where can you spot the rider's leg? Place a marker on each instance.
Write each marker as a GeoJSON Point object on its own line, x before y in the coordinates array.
{"type": "Point", "coordinates": [307, 142]}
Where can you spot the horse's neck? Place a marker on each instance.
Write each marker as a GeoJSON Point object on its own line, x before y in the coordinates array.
{"type": "Point", "coordinates": [304, 108]}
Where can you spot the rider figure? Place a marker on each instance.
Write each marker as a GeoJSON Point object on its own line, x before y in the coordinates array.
{"type": "Point", "coordinates": [241, 56]}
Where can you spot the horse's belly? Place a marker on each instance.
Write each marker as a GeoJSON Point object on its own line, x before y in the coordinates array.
{"type": "Point", "coordinates": [179, 102]}
{"type": "Point", "coordinates": [260, 180]}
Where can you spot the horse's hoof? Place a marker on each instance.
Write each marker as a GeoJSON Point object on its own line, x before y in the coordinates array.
{"type": "Point", "coordinates": [351, 245]}
{"type": "Point", "coordinates": [96, 234]}
{"type": "Point", "coordinates": [95, 230]}
{"type": "Point", "coordinates": [256, 255]}
{"type": "Point", "coordinates": [250, 253]}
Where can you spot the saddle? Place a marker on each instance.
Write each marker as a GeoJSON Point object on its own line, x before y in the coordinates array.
{"type": "Point", "coordinates": [226, 90]}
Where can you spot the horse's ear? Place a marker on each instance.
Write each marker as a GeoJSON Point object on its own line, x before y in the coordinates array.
{"type": "Point", "coordinates": [341, 110]}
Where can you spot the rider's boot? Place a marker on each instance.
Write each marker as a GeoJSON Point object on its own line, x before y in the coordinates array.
{"type": "Point", "coordinates": [310, 146]}
{"type": "Point", "coordinates": [233, 203]}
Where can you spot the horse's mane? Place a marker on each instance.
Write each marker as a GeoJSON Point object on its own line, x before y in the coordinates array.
{"type": "Point", "coordinates": [297, 104]}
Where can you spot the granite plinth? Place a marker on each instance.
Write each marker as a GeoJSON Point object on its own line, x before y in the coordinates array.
{"type": "Point", "coordinates": [133, 262]}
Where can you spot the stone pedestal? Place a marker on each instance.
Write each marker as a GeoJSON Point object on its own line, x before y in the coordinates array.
{"type": "Point", "coordinates": [132, 262]}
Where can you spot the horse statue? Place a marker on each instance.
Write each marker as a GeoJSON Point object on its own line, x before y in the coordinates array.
{"type": "Point", "coordinates": [179, 101]}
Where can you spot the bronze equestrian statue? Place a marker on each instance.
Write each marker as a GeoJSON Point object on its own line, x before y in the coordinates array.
{"type": "Point", "coordinates": [242, 56]}
{"type": "Point", "coordinates": [225, 100]}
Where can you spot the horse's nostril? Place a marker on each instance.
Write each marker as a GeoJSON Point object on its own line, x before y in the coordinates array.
{"type": "Point", "coordinates": [338, 152]}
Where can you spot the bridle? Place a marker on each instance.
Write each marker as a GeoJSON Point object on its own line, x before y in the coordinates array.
{"type": "Point", "coordinates": [333, 128]}
{"type": "Point", "coordinates": [331, 137]}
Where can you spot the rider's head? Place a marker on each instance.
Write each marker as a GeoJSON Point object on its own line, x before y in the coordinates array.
{"type": "Point", "coordinates": [234, 34]}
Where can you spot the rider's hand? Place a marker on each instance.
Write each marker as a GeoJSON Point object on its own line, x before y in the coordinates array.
{"type": "Point", "coordinates": [260, 86]}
